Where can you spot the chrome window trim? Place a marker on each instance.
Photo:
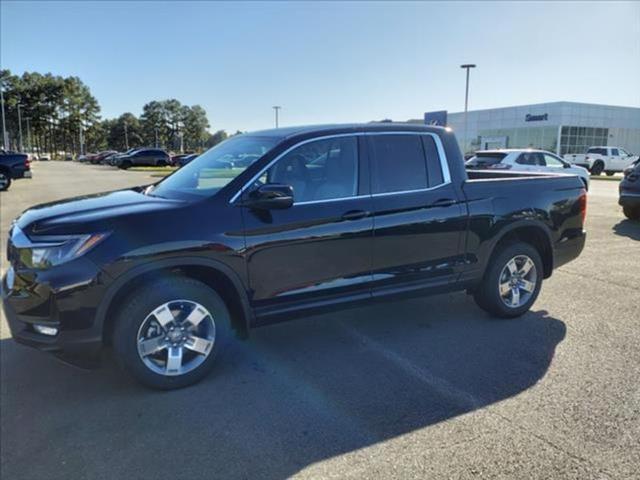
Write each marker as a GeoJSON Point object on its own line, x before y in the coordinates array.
{"type": "Point", "coordinates": [444, 165]}
{"type": "Point", "coordinates": [401, 192]}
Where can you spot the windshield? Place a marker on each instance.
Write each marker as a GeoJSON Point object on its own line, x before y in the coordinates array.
{"type": "Point", "coordinates": [217, 167]}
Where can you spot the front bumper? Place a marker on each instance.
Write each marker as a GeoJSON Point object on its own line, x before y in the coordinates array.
{"type": "Point", "coordinates": [34, 298]}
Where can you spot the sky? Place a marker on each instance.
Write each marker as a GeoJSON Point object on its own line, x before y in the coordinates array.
{"type": "Point", "coordinates": [329, 62]}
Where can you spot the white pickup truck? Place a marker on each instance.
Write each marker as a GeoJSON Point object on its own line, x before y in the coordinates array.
{"type": "Point", "coordinates": [602, 159]}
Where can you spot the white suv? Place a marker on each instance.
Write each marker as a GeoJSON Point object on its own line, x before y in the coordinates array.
{"type": "Point", "coordinates": [525, 160]}
{"type": "Point", "coordinates": [603, 159]}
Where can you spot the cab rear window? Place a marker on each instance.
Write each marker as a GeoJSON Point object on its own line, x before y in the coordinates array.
{"type": "Point", "coordinates": [485, 159]}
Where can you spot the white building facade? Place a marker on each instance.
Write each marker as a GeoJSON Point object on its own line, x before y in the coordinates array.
{"type": "Point", "coordinates": [561, 127]}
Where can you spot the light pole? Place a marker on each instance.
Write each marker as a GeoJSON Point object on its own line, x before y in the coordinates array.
{"type": "Point", "coordinates": [467, 67]}
{"type": "Point", "coordinates": [5, 138]}
{"type": "Point", "coordinates": [276, 108]}
{"type": "Point", "coordinates": [20, 127]}
{"type": "Point", "coordinates": [28, 119]}
{"type": "Point", "coordinates": [156, 131]}
{"type": "Point", "coordinates": [126, 136]}
{"type": "Point", "coordinates": [80, 139]}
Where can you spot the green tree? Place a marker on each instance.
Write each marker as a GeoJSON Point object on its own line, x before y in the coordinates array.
{"type": "Point", "coordinates": [216, 138]}
{"type": "Point", "coordinates": [125, 132]}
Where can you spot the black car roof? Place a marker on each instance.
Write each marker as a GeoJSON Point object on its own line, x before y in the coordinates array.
{"type": "Point", "coordinates": [287, 132]}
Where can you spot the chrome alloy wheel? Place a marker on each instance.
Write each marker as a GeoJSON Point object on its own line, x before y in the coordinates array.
{"type": "Point", "coordinates": [176, 337]}
{"type": "Point", "coordinates": [518, 281]}
{"type": "Point", "coordinates": [4, 181]}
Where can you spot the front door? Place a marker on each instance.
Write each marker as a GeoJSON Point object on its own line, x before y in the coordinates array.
{"type": "Point", "coordinates": [418, 219]}
{"type": "Point", "coordinates": [321, 246]}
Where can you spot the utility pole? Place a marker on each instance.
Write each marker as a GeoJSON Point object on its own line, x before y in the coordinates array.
{"type": "Point", "coordinates": [81, 139]}
{"type": "Point", "coordinates": [30, 146]}
{"type": "Point", "coordinates": [126, 136]}
{"type": "Point", "coordinates": [156, 130]}
{"type": "Point", "coordinates": [467, 67]}
{"type": "Point", "coordinates": [20, 128]}
{"type": "Point", "coordinates": [5, 137]}
{"type": "Point", "coordinates": [276, 108]}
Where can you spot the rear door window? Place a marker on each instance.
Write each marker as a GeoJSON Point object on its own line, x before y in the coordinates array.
{"type": "Point", "coordinates": [398, 163]}
{"type": "Point", "coordinates": [435, 176]}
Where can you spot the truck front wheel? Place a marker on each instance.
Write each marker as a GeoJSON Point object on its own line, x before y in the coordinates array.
{"type": "Point", "coordinates": [511, 282]}
{"type": "Point", "coordinates": [168, 333]}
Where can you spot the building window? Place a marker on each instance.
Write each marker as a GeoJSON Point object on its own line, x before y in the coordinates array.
{"type": "Point", "coordinates": [579, 139]}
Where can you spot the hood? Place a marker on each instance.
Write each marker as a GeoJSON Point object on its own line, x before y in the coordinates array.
{"type": "Point", "coordinates": [72, 215]}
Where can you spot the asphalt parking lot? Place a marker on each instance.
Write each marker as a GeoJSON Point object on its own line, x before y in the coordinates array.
{"type": "Point", "coordinates": [425, 388]}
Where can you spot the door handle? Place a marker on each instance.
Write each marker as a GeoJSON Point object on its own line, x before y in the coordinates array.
{"type": "Point", "coordinates": [443, 202]}
{"type": "Point", "coordinates": [355, 215]}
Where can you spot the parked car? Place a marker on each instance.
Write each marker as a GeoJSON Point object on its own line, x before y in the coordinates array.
{"type": "Point", "coordinates": [525, 160]}
{"type": "Point", "coordinates": [176, 158]}
{"type": "Point", "coordinates": [143, 157]}
{"type": "Point", "coordinates": [99, 157]}
{"type": "Point", "coordinates": [603, 159]}
{"type": "Point", "coordinates": [630, 191]}
{"type": "Point", "coordinates": [181, 162]}
{"type": "Point", "coordinates": [13, 165]}
{"type": "Point", "coordinates": [166, 272]}
{"type": "Point", "coordinates": [114, 158]}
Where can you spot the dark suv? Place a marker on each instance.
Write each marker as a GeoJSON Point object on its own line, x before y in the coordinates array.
{"type": "Point", "coordinates": [320, 218]}
{"type": "Point", "coordinates": [630, 191]}
{"type": "Point", "coordinates": [144, 157]}
{"type": "Point", "coordinates": [13, 165]}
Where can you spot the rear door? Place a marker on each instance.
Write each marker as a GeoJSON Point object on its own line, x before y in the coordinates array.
{"type": "Point", "coordinates": [321, 247]}
{"type": "Point", "coordinates": [418, 219]}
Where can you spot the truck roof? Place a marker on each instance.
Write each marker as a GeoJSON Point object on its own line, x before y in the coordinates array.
{"type": "Point", "coordinates": [287, 132]}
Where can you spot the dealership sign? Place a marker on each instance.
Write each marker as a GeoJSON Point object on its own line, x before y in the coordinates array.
{"type": "Point", "coordinates": [536, 118]}
{"type": "Point", "coordinates": [436, 118]}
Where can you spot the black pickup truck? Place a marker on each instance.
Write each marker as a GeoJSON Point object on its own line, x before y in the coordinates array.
{"type": "Point", "coordinates": [324, 217]}
{"type": "Point", "coordinates": [13, 165]}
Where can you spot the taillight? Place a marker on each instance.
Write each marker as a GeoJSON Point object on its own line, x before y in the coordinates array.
{"type": "Point", "coordinates": [27, 165]}
{"type": "Point", "coordinates": [582, 201]}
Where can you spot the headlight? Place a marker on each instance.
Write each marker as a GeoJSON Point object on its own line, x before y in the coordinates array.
{"type": "Point", "coordinates": [46, 252]}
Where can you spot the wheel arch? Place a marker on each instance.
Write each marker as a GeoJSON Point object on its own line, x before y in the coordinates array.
{"type": "Point", "coordinates": [535, 234]}
{"type": "Point", "coordinates": [212, 273]}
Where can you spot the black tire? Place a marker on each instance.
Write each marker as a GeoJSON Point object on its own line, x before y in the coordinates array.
{"type": "Point", "coordinates": [632, 213]}
{"type": "Point", "coordinates": [597, 168]}
{"type": "Point", "coordinates": [138, 307]}
{"type": "Point", "coordinates": [487, 296]}
{"type": "Point", "coordinates": [125, 165]}
{"type": "Point", "coordinates": [610, 173]}
{"type": "Point", "coordinates": [5, 181]}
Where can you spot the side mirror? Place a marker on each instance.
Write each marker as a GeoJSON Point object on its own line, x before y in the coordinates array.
{"type": "Point", "coordinates": [566, 165]}
{"type": "Point", "coordinates": [272, 196]}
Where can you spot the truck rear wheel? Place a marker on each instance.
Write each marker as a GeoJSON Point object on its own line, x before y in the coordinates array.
{"type": "Point", "coordinates": [168, 333]}
{"type": "Point", "coordinates": [511, 282]}
{"type": "Point", "coordinates": [597, 168]}
{"type": "Point", "coordinates": [5, 181]}
{"type": "Point", "coordinates": [610, 173]}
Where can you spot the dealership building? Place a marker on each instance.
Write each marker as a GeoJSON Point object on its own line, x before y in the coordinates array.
{"type": "Point", "coordinates": [561, 127]}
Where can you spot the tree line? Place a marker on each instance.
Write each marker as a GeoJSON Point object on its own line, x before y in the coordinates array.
{"type": "Point", "coordinates": [59, 115]}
